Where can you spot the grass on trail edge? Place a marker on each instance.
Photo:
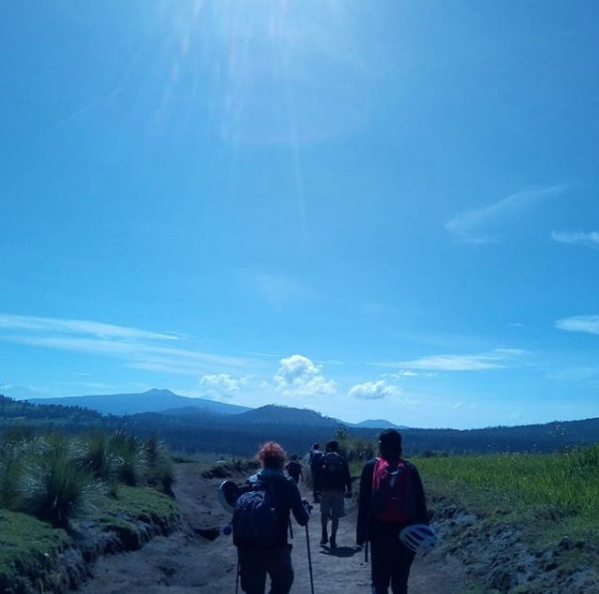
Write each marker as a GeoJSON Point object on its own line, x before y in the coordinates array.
{"type": "Point", "coordinates": [30, 549]}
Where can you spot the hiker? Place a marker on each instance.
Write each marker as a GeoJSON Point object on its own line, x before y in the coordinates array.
{"type": "Point", "coordinates": [314, 458]}
{"type": "Point", "coordinates": [261, 538]}
{"type": "Point", "coordinates": [391, 498]}
{"type": "Point", "coordinates": [294, 469]}
{"type": "Point", "coordinates": [332, 480]}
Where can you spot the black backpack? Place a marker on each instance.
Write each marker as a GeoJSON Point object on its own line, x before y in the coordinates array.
{"type": "Point", "coordinates": [331, 472]}
{"type": "Point", "coordinates": [315, 458]}
{"type": "Point", "coordinates": [255, 517]}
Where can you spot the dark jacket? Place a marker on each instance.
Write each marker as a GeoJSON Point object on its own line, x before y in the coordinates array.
{"type": "Point", "coordinates": [325, 481]}
{"type": "Point", "coordinates": [369, 527]}
{"type": "Point", "coordinates": [286, 497]}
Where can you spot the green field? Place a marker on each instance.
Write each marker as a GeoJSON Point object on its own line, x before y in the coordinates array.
{"type": "Point", "coordinates": [552, 495]}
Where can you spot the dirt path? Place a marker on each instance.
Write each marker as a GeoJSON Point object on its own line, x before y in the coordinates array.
{"type": "Point", "coordinates": [187, 562]}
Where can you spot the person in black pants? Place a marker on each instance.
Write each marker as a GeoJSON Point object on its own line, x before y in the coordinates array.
{"type": "Point", "coordinates": [256, 561]}
{"type": "Point", "coordinates": [383, 514]}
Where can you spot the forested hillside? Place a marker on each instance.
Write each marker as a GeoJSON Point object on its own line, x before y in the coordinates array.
{"type": "Point", "coordinates": [200, 431]}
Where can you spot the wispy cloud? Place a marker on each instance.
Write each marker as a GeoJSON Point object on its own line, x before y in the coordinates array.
{"type": "Point", "coordinates": [373, 390]}
{"type": "Point", "coordinates": [495, 359]}
{"type": "Point", "coordinates": [80, 327]}
{"type": "Point", "coordinates": [299, 376]}
{"type": "Point", "coordinates": [480, 225]}
{"type": "Point", "coordinates": [134, 347]}
{"type": "Point", "coordinates": [588, 324]}
{"type": "Point", "coordinates": [590, 240]}
{"type": "Point", "coordinates": [407, 373]}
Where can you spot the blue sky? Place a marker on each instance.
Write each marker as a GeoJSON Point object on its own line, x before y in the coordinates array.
{"type": "Point", "coordinates": [372, 209]}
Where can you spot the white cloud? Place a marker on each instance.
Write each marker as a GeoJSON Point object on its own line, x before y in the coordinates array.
{"type": "Point", "coordinates": [578, 238]}
{"type": "Point", "coordinates": [135, 348]}
{"type": "Point", "coordinates": [479, 225]}
{"type": "Point", "coordinates": [492, 360]}
{"type": "Point", "coordinates": [589, 324]}
{"type": "Point", "coordinates": [84, 327]}
{"type": "Point", "coordinates": [404, 373]}
{"type": "Point", "coordinates": [222, 384]}
{"type": "Point", "coordinates": [373, 390]}
{"type": "Point", "coordinates": [299, 376]}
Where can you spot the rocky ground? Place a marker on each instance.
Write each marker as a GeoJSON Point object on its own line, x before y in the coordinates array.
{"type": "Point", "coordinates": [199, 558]}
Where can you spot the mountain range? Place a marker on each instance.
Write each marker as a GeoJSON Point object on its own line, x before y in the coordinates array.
{"type": "Point", "coordinates": [169, 403]}
{"type": "Point", "coordinates": [153, 400]}
{"type": "Point", "coordinates": [205, 426]}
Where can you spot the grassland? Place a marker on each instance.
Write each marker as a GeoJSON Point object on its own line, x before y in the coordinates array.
{"type": "Point", "coordinates": [552, 495]}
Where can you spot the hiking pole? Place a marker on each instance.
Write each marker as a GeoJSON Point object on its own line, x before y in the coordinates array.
{"type": "Point", "coordinates": [309, 559]}
{"type": "Point", "coordinates": [366, 552]}
{"type": "Point", "coordinates": [237, 576]}
{"type": "Point", "coordinates": [290, 530]}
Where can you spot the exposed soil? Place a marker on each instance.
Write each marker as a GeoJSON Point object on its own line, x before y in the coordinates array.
{"type": "Point", "coordinates": [199, 558]}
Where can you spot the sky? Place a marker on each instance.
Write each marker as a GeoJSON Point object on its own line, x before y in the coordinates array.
{"type": "Point", "coordinates": [383, 209]}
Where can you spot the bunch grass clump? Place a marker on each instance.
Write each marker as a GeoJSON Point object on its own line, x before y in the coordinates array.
{"type": "Point", "coordinates": [55, 477]}
{"type": "Point", "coordinates": [57, 485]}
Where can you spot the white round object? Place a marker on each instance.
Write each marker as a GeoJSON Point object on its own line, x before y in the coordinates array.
{"type": "Point", "coordinates": [420, 538]}
{"type": "Point", "coordinates": [228, 492]}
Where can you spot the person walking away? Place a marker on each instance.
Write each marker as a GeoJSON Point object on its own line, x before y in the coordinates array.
{"type": "Point", "coordinates": [314, 458]}
{"type": "Point", "coordinates": [391, 498]}
{"type": "Point", "coordinates": [294, 469]}
{"type": "Point", "coordinates": [332, 480]}
{"type": "Point", "coordinates": [260, 522]}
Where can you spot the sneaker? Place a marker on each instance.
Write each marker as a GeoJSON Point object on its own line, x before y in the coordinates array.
{"type": "Point", "coordinates": [333, 542]}
{"type": "Point", "coordinates": [324, 538]}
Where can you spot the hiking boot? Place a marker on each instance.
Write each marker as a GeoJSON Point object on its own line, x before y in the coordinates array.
{"type": "Point", "coordinates": [325, 538]}
{"type": "Point", "coordinates": [333, 542]}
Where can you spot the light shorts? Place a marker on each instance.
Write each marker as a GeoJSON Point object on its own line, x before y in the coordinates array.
{"type": "Point", "coordinates": [332, 504]}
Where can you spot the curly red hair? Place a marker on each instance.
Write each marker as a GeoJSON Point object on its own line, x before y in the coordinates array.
{"type": "Point", "coordinates": [272, 455]}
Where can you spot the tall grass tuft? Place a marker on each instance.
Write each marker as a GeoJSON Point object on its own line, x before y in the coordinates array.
{"type": "Point", "coordinates": [57, 485]}
{"type": "Point", "coordinates": [159, 465]}
{"type": "Point", "coordinates": [99, 458]}
{"type": "Point", "coordinates": [131, 466]}
{"type": "Point", "coordinates": [11, 472]}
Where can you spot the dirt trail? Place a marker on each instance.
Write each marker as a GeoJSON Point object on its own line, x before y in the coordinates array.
{"type": "Point", "coordinates": [187, 562]}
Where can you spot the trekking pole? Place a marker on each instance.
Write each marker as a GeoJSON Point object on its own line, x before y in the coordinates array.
{"type": "Point", "coordinates": [237, 577]}
{"type": "Point", "coordinates": [290, 530]}
{"type": "Point", "coordinates": [309, 559]}
{"type": "Point", "coordinates": [366, 552]}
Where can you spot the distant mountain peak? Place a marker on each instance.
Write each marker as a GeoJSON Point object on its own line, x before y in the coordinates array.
{"type": "Point", "coordinates": [158, 392]}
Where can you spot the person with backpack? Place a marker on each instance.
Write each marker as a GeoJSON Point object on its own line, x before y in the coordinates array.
{"type": "Point", "coordinates": [391, 498]}
{"type": "Point", "coordinates": [333, 482]}
{"type": "Point", "coordinates": [294, 469]}
{"type": "Point", "coordinates": [314, 457]}
{"type": "Point", "coordinates": [260, 521]}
